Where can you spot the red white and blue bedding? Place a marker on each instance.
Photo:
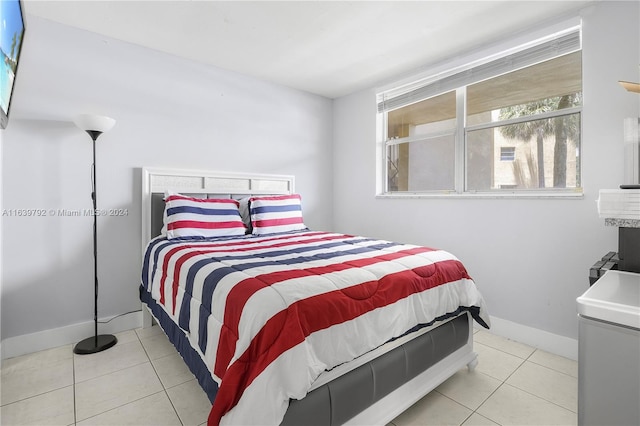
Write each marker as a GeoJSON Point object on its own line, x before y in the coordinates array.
{"type": "Point", "coordinates": [268, 314]}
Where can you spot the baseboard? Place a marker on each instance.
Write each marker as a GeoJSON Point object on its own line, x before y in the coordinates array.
{"type": "Point", "coordinates": [549, 342]}
{"type": "Point", "coordinates": [28, 343]}
{"type": "Point", "coordinates": [47, 339]}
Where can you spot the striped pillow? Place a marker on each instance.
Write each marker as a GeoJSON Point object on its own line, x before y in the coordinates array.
{"type": "Point", "coordinates": [280, 213]}
{"type": "Point", "coordinates": [195, 217]}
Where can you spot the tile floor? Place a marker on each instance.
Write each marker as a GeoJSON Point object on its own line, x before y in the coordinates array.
{"type": "Point", "coordinates": [143, 381]}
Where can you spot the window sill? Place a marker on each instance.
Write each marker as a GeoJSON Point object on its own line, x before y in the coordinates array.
{"type": "Point", "coordinates": [566, 195]}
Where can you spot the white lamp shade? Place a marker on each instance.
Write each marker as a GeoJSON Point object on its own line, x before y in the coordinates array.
{"type": "Point", "coordinates": [97, 123]}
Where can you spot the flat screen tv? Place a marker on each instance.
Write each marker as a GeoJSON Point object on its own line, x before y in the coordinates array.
{"type": "Point", "coordinates": [11, 36]}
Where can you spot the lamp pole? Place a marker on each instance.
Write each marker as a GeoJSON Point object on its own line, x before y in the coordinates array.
{"type": "Point", "coordinates": [97, 343]}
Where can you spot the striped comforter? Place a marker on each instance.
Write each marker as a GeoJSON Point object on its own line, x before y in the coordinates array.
{"type": "Point", "coordinates": [269, 314]}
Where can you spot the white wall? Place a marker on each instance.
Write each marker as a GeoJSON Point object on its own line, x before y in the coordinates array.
{"type": "Point", "coordinates": [172, 112]}
{"type": "Point", "coordinates": [529, 257]}
{"type": "Point", "coordinates": [169, 112]}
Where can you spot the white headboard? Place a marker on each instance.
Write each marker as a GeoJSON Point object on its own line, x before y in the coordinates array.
{"type": "Point", "coordinates": [158, 180]}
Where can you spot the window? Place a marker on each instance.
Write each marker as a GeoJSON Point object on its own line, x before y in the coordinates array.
{"type": "Point", "coordinates": [505, 125]}
{"type": "Point", "coordinates": [421, 149]}
{"type": "Point", "coordinates": [507, 153]}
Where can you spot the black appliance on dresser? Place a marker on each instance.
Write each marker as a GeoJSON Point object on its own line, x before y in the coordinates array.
{"type": "Point", "coordinates": [626, 259]}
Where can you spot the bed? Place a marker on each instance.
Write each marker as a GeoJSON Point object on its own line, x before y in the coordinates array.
{"type": "Point", "coordinates": [287, 325]}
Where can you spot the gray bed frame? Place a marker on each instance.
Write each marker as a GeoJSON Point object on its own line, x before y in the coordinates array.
{"type": "Point", "coordinates": [384, 383]}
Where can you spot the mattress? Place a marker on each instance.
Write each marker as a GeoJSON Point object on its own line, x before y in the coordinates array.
{"type": "Point", "coordinates": [266, 316]}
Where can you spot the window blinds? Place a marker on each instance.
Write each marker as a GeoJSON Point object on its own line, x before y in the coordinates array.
{"type": "Point", "coordinates": [558, 45]}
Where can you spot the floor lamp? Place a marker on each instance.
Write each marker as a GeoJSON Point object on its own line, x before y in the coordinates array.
{"type": "Point", "coordinates": [94, 125]}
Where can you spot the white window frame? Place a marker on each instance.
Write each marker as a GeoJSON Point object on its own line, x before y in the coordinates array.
{"type": "Point", "coordinates": [412, 87]}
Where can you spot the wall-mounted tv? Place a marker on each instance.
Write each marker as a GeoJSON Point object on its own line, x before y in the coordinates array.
{"type": "Point", "coordinates": [11, 36]}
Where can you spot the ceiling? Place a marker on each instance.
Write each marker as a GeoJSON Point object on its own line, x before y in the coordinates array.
{"type": "Point", "coordinates": [330, 48]}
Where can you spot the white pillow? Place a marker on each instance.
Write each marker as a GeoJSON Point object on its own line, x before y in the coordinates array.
{"type": "Point", "coordinates": [195, 217]}
{"type": "Point", "coordinates": [279, 213]}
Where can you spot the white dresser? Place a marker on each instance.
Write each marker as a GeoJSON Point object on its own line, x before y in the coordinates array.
{"type": "Point", "coordinates": [609, 351]}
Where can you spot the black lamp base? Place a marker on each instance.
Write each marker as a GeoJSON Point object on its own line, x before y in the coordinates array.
{"type": "Point", "coordinates": [91, 345]}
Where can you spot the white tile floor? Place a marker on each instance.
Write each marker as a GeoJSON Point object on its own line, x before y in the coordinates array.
{"type": "Point", "coordinates": [514, 384]}
{"type": "Point", "coordinates": [143, 381]}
